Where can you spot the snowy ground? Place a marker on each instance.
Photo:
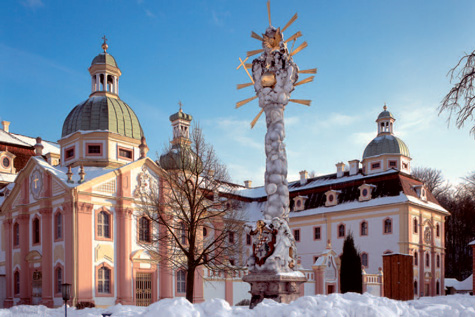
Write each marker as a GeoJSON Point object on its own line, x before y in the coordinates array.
{"type": "Point", "coordinates": [349, 304]}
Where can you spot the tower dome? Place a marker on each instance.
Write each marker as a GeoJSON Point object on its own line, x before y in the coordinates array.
{"type": "Point", "coordinates": [386, 151]}
{"type": "Point", "coordinates": [180, 156]}
{"type": "Point", "coordinates": [386, 144]}
{"type": "Point", "coordinates": [104, 110]}
{"type": "Point", "coordinates": [103, 113]}
{"type": "Point", "coordinates": [110, 132]}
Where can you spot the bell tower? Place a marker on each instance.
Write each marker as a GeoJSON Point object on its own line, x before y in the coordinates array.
{"type": "Point", "coordinates": [181, 127]}
{"type": "Point", "coordinates": [104, 74]}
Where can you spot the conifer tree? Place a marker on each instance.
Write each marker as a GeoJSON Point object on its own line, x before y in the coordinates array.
{"type": "Point", "coordinates": [351, 279]}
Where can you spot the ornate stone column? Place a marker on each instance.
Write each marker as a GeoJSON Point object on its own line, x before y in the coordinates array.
{"type": "Point", "coordinates": [47, 257]}
{"type": "Point", "coordinates": [272, 265]}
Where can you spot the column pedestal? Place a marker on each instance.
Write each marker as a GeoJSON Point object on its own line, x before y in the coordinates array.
{"type": "Point", "coordinates": [283, 287]}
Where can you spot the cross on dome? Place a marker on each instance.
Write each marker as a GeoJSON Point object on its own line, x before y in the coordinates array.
{"type": "Point", "coordinates": [104, 45]}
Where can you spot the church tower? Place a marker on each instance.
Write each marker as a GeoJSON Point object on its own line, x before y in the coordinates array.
{"type": "Point", "coordinates": [102, 131]}
{"type": "Point", "coordinates": [386, 151]}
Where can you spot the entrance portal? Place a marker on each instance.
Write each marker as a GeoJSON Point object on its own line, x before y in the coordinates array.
{"type": "Point", "coordinates": [143, 289]}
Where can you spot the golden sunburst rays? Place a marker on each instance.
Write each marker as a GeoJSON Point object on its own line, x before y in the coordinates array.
{"type": "Point", "coordinates": [274, 44]}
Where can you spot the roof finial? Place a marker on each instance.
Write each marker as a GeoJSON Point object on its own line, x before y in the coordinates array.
{"type": "Point", "coordinates": [181, 105]}
{"type": "Point", "coordinates": [104, 45]}
{"type": "Point", "coordinates": [384, 107]}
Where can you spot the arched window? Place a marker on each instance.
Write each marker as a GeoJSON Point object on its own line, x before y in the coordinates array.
{"type": "Point", "coordinates": [427, 259]}
{"type": "Point", "coordinates": [388, 226]}
{"type": "Point", "coordinates": [58, 276]}
{"type": "Point", "coordinates": [341, 231]}
{"type": "Point", "coordinates": [416, 258]}
{"type": "Point", "coordinates": [437, 288]}
{"type": "Point", "coordinates": [438, 260]}
{"type": "Point", "coordinates": [16, 234]}
{"type": "Point", "coordinates": [364, 259]}
{"type": "Point", "coordinates": [415, 287]}
{"type": "Point", "coordinates": [364, 228]}
{"type": "Point", "coordinates": [437, 230]}
{"type": "Point", "coordinates": [58, 225]}
{"type": "Point", "coordinates": [103, 224]}
{"type": "Point", "coordinates": [36, 231]}
{"type": "Point", "coordinates": [144, 229]}
{"type": "Point", "coordinates": [414, 224]}
{"type": "Point", "coordinates": [16, 282]}
{"type": "Point", "coordinates": [104, 280]}
{"type": "Point", "coordinates": [205, 231]}
{"type": "Point", "coordinates": [181, 281]}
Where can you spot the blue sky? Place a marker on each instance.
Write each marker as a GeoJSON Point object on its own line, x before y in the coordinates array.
{"type": "Point", "coordinates": [367, 53]}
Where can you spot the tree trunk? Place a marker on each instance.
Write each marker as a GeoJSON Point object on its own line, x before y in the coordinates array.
{"type": "Point", "coordinates": [190, 283]}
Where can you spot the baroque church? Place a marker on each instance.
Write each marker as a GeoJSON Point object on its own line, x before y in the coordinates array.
{"type": "Point", "coordinates": [70, 212]}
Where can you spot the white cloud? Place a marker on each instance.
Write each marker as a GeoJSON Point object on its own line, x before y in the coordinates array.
{"type": "Point", "coordinates": [32, 4]}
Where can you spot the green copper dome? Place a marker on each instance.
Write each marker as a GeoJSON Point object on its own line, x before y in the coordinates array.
{"type": "Point", "coordinates": [103, 113]}
{"type": "Point", "coordinates": [104, 58]}
{"type": "Point", "coordinates": [386, 144]}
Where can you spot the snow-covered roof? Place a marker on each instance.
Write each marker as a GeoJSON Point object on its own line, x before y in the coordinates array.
{"type": "Point", "coordinates": [351, 205]}
{"type": "Point", "coordinates": [10, 138]}
{"type": "Point", "coordinates": [7, 177]}
{"type": "Point", "coordinates": [472, 243]}
{"type": "Point", "coordinates": [60, 172]}
{"type": "Point", "coordinates": [48, 146]}
{"type": "Point", "coordinates": [465, 285]}
{"type": "Point", "coordinates": [325, 180]}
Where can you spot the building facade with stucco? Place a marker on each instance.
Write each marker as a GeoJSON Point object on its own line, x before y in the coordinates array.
{"type": "Point", "coordinates": [77, 219]}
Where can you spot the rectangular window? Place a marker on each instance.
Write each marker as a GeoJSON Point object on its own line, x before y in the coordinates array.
{"type": "Point", "coordinates": [375, 165]}
{"type": "Point", "coordinates": [69, 153]}
{"type": "Point", "coordinates": [392, 164]}
{"type": "Point", "coordinates": [125, 154]}
{"type": "Point", "coordinates": [297, 235]}
{"type": "Point", "coordinates": [59, 280]}
{"type": "Point", "coordinates": [104, 281]}
{"type": "Point", "coordinates": [59, 226]}
{"type": "Point", "coordinates": [317, 233]}
{"type": "Point", "coordinates": [248, 239]}
{"type": "Point", "coordinates": [231, 237]}
{"type": "Point", "coordinates": [16, 234]}
{"type": "Point", "coordinates": [94, 149]}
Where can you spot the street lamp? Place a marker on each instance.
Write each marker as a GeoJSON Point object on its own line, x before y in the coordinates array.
{"type": "Point", "coordinates": [66, 292]}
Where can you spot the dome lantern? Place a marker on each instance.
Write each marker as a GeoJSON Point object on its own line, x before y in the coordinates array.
{"type": "Point", "coordinates": [104, 74]}
{"type": "Point", "coordinates": [385, 121]}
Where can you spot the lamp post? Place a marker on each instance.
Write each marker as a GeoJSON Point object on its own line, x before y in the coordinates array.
{"type": "Point", "coordinates": [66, 292]}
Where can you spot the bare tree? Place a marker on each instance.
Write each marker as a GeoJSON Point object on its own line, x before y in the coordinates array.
{"type": "Point", "coordinates": [433, 179]}
{"type": "Point", "coordinates": [460, 101]}
{"type": "Point", "coordinates": [459, 228]}
{"type": "Point", "coordinates": [198, 224]}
